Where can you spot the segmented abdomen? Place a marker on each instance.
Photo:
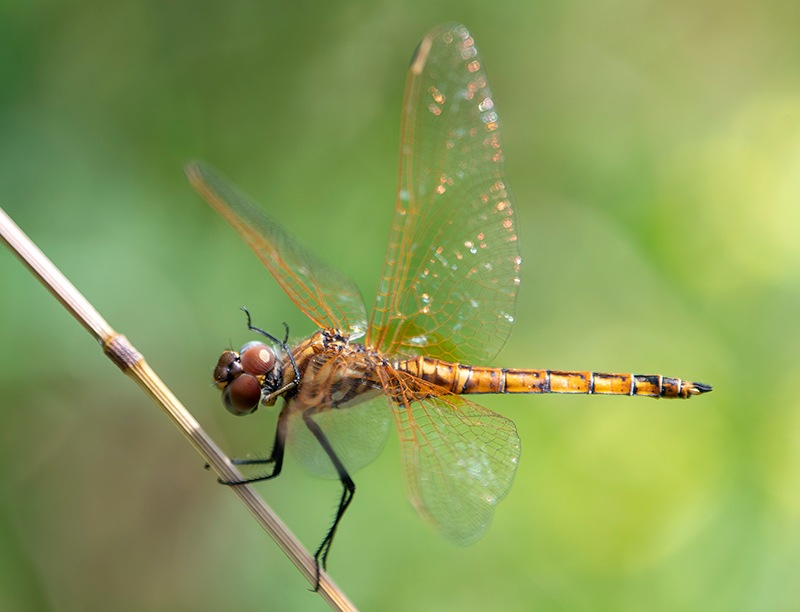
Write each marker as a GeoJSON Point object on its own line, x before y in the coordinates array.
{"type": "Point", "coordinates": [462, 379]}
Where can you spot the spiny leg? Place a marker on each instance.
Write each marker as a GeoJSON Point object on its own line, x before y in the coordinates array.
{"type": "Point", "coordinates": [348, 490]}
{"type": "Point", "coordinates": [275, 458]}
{"type": "Point", "coordinates": [266, 334]}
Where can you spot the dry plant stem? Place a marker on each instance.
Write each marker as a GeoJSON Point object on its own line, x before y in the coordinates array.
{"type": "Point", "coordinates": [131, 362]}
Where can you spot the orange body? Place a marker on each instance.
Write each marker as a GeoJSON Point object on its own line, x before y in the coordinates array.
{"type": "Point", "coordinates": [464, 379]}
{"type": "Point", "coordinates": [336, 373]}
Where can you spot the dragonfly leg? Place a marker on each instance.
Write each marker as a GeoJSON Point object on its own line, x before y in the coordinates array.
{"type": "Point", "coordinates": [348, 490]}
{"type": "Point", "coordinates": [267, 335]}
{"type": "Point", "coordinates": [276, 394]}
{"type": "Point", "coordinates": [275, 458]}
{"type": "Point", "coordinates": [284, 344]}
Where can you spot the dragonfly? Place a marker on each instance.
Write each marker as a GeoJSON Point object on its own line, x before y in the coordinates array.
{"type": "Point", "coordinates": [445, 306]}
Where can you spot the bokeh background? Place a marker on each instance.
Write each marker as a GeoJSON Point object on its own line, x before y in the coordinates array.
{"type": "Point", "coordinates": [654, 151]}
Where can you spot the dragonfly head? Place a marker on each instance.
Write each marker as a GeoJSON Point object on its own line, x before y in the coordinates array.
{"type": "Point", "coordinates": [241, 376]}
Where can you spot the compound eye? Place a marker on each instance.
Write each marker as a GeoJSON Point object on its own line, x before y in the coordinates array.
{"type": "Point", "coordinates": [257, 358]}
{"type": "Point", "coordinates": [242, 395]}
{"type": "Point", "coordinates": [228, 368]}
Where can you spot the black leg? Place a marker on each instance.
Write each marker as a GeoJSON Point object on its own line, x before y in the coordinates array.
{"type": "Point", "coordinates": [348, 490]}
{"type": "Point", "coordinates": [275, 458]}
{"type": "Point", "coordinates": [283, 344]}
{"type": "Point", "coordinates": [267, 335]}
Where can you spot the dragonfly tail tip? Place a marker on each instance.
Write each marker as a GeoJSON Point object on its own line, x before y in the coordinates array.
{"type": "Point", "coordinates": [698, 388]}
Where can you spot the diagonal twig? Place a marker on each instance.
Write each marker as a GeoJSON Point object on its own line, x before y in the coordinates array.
{"type": "Point", "coordinates": [132, 363]}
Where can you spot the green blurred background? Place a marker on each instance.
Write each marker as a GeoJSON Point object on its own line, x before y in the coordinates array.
{"type": "Point", "coordinates": [654, 151]}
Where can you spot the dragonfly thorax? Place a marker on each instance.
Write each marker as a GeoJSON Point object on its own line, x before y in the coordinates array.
{"type": "Point", "coordinates": [334, 372]}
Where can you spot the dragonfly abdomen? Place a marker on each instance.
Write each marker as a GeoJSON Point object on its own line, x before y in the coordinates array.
{"type": "Point", "coordinates": [464, 379]}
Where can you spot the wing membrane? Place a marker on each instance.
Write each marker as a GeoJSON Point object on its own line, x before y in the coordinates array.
{"type": "Point", "coordinates": [459, 457]}
{"type": "Point", "coordinates": [357, 434]}
{"type": "Point", "coordinates": [326, 296]}
{"type": "Point", "coordinates": [452, 267]}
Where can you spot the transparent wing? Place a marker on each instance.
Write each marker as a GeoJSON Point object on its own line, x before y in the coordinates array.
{"type": "Point", "coordinates": [459, 457]}
{"type": "Point", "coordinates": [451, 275]}
{"type": "Point", "coordinates": [326, 296]}
{"type": "Point", "coordinates": [357, 434]}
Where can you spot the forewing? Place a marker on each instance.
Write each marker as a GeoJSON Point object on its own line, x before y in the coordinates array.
{"type": "Point", "coordinates": [459, 457]}
{"type": "Point", "coordinates": [451, 275]}
{"type": "Point", "coordinates": [326, 296]}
